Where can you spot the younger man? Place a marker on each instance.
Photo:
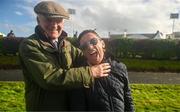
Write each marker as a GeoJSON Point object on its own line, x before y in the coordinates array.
{"type": "Point", "coordinates": [111, 93]}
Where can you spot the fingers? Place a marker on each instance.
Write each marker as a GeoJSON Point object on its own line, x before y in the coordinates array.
{"type": "Point", "coordinates": [101, 70]}
{"type": "Point", "coordinates": [103, 75]}
{"type": "Point", "coordinates": [106, 71]}
{"type": "Point", "coordinates": [106, 66]}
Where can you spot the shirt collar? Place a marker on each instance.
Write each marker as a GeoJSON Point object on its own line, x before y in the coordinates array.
{"type": "Point", "coordinates": [54, 40]}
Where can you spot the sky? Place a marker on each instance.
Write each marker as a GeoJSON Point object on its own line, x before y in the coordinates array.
{"type": "Point", "coordinates": [106, 16]}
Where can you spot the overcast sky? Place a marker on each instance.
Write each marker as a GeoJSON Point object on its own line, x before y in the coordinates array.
{"type": "Point", "coordinates": [114, 16]}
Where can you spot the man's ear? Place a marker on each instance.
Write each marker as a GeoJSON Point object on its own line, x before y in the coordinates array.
{"type": "Point", "coordinates": [103, 44]}
{"type": "Point", "coordinates": [37, 20]}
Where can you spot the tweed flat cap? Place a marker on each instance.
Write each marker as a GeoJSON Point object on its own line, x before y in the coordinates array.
{"type": "Point", "coordinates": [51, 9]}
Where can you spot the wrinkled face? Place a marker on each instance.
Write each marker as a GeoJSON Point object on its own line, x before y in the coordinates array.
{"type": "Point", "coordinates": [52, 26]}
{"type": "Point", "coordinates": [93, 48]}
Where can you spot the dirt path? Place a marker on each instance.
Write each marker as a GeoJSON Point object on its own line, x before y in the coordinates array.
{"type": "Point", "coordinates": [134, 77]}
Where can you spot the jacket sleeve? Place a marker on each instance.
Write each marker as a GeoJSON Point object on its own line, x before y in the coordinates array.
{"type": "Point", "coordinates": [46, 74]}
{"type": "Point", "coordinates": [128, 100]}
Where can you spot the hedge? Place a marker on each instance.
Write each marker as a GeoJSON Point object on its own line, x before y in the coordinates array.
{"type": "Point", "coordinates": [120, 48]}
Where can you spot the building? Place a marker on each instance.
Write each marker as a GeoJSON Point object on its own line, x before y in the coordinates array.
{"type": "Point", "coordinates": [157, 35]}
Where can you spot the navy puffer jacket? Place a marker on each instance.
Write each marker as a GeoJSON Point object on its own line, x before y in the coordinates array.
{"type": "Point", "coordinates": [111, 93]}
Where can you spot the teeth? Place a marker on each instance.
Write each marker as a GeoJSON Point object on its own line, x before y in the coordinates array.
{"type": "Point", "coordinates": [93, 52]}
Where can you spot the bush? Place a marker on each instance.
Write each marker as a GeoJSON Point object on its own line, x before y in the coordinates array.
{"type": "Point", "coordinates": [145, 48]}
{"type": "Point", "coordinates": [10, 45]}
{"type": "Point", "coordinates": [119, 47]}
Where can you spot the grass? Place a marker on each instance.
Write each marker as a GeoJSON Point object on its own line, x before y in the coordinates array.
{"type": "Point", "coordinates": [156, 97]}
{"type": "Point", "coordinates": [8, 60]}
{"type": "Point", "coordinates": [12, 96]}
{"type": "Point", "coordinates": [152, 65]}
{"type": "Point", "coordinates": [11, 62]}
{"type": "Point", "coordinates": [147, 97]}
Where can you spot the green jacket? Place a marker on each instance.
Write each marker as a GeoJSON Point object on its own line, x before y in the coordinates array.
{"type": "Point", "coordinates": [49, 72]}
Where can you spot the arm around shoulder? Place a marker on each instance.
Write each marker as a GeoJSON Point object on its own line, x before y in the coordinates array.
{"type": "Point", "coordinates": [43, 69]}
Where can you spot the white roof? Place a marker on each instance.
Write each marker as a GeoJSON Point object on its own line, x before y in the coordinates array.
{"type": "Point", "coordinates": [137, 36]}
{"type": "Point", "coordinates": [159, 35]}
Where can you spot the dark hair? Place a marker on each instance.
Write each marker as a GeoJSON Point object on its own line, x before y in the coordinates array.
{"type": "Point", "coordinates": [108, 54]}
{"type": "Point", "coordinates": [85, 32]}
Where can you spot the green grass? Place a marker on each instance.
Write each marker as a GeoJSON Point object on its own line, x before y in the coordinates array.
{"type": "Point", "coordinates": [152, 65]}
{"type": "Point", "coordinates": [156, 97]}
{"type": "Point", "coordinates": [12, 96]}
{"type": "Point", "coordinates": [147, 97]}
{"type": "Point", "coordinates": [9, 60]}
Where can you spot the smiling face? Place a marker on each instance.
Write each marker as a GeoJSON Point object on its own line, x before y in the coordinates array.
{"type": "Point", "coordinates": [92, 47]}
{"type": "Point", "coordinates": [52, 26]}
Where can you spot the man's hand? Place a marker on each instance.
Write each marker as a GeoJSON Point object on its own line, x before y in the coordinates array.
{"type": "Point", "coordinates": [100, 70]}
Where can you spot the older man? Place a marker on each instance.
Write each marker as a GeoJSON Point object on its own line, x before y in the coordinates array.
{"type": "Point", "coordinates": [50, 62]}
{"type": "Point", "coordinates": [110, 93]}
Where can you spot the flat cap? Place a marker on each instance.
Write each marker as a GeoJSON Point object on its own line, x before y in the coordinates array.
{"type": "Point", "coordinates": [51, 9]}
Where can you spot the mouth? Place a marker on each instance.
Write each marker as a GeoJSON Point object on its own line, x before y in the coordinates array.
{"type": "Point", "coordinates": [53, 31]}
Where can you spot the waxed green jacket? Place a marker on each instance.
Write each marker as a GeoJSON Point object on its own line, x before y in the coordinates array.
{"type": "Point", "coordinates": [50, 72]}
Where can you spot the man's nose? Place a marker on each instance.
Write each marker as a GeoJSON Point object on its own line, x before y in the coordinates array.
{"type": "Point", "coordinates": [54, 23]}
{"type": "Point", "coordinates": [90, 46]}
